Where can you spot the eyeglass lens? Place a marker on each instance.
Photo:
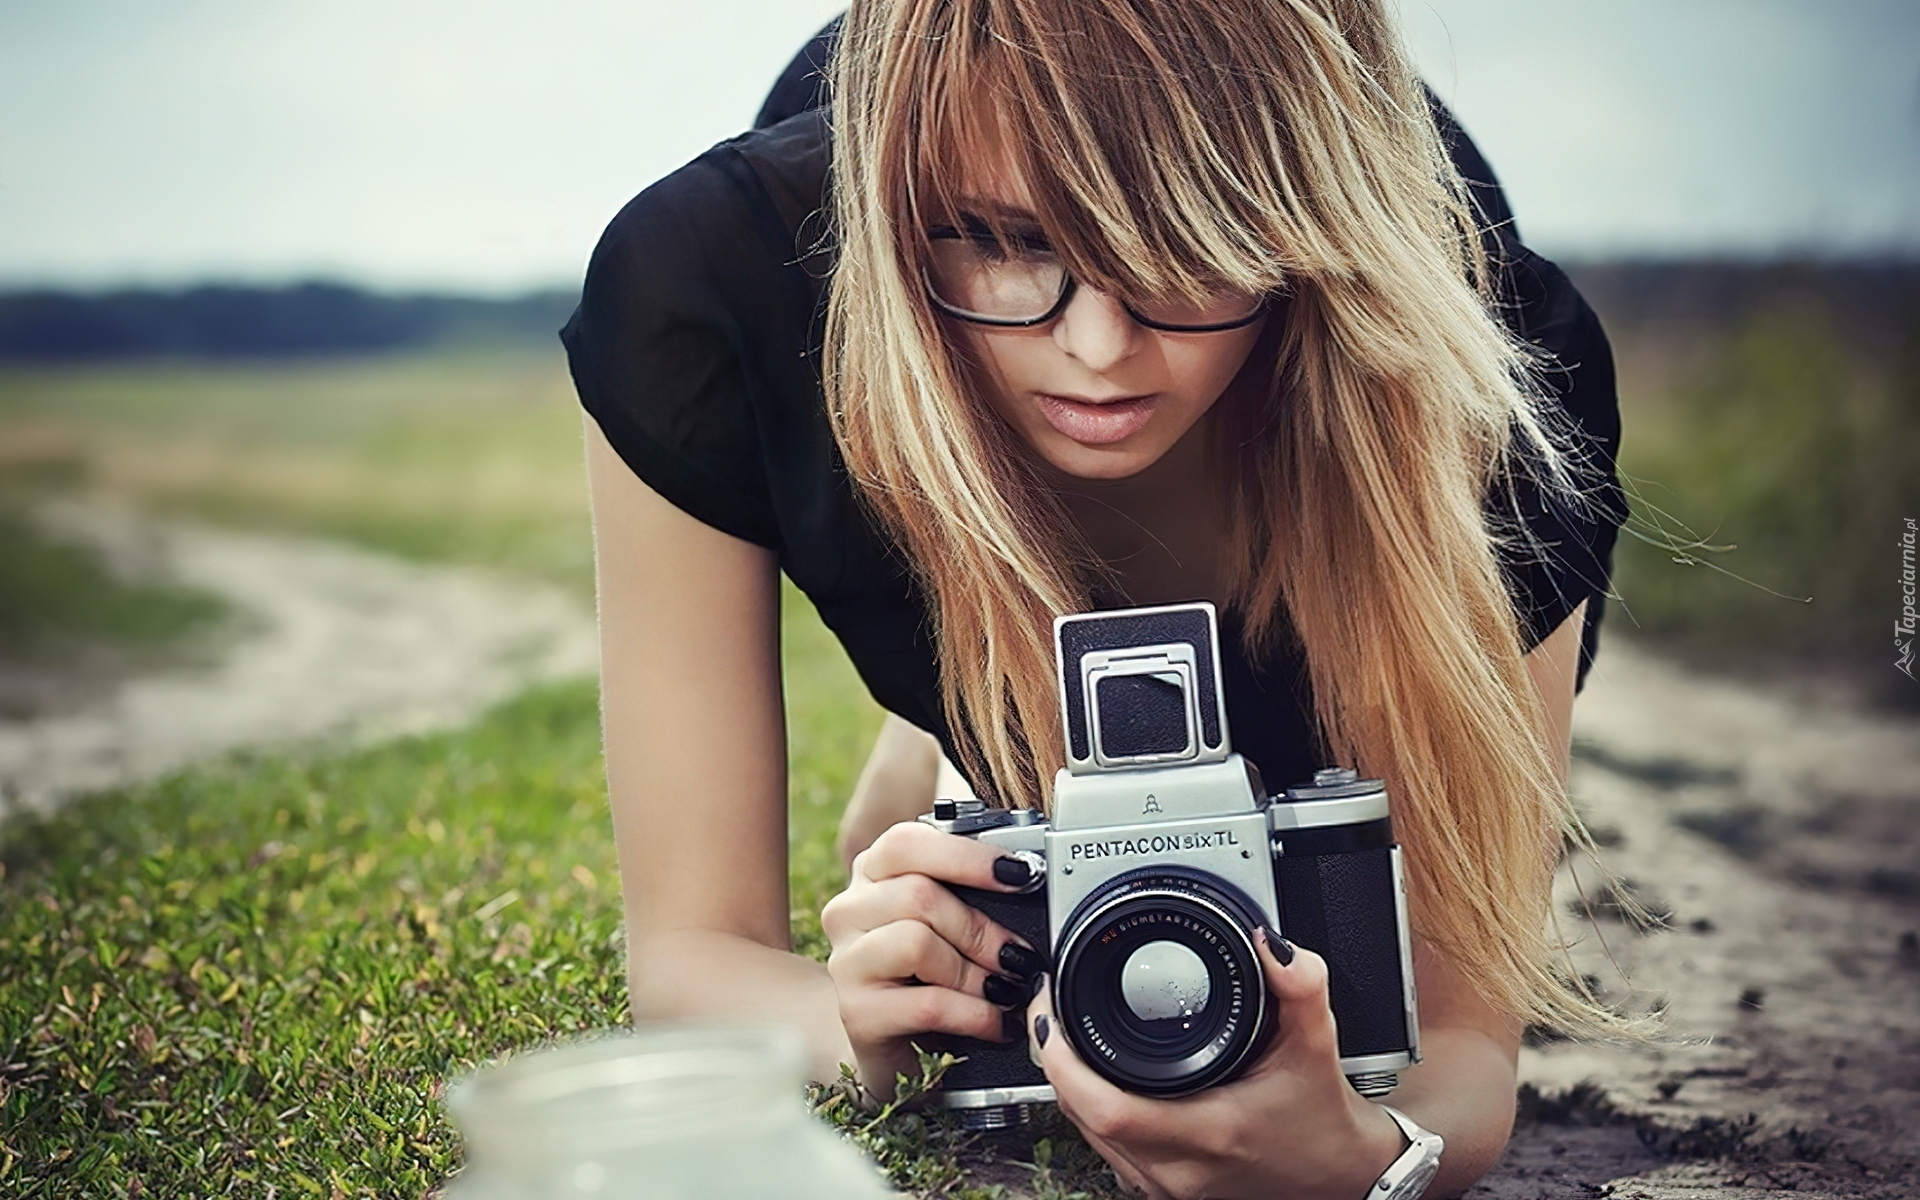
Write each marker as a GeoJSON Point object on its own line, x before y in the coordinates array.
{"type": "Point", "coordinates": [1022, 279]}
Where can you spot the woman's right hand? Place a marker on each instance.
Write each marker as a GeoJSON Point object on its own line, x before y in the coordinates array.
{"type": "Point", "coordinates": [910, 957]}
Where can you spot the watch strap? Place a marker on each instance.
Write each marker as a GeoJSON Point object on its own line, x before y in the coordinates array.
{"type": "Point", "coordinates": [1408, 1176]}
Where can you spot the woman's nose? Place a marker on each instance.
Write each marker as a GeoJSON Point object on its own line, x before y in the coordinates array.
{"type": "Point", "coordinates": [1096, 329]}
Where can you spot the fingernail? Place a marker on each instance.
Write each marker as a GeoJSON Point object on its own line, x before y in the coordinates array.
{"type": "Point", "coordinates": [1042, 1029]}
{"type": "Point", "coordinates": [1010, 1026]}
{"type": "Point", "coordinates": [1019, 961]}
{"type": "Point", "coordinates": [1011, 871]}
{"type": "Point", "coordinates": [1282, 948]}
{"type": "Point", "coordinates": [1004, 992]}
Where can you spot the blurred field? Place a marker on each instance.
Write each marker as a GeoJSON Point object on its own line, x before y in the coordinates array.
{"type": "Point", "coordinates": [1771, 418]}
{"type": "Point", "coordinates": [470, 457]}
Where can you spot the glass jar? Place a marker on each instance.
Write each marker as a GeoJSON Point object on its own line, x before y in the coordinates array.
{"type": "Point", "coordinates": [670, 1111]}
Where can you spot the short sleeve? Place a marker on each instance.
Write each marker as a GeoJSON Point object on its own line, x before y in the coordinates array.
{"type": "Point", "coordinates": [661, 347]}
{"type": "Point", "coordinates": [1568, 555]}
{"type": "Point", "coordinates": [1563, 551]}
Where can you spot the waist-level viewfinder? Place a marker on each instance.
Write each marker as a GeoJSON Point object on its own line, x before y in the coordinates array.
{"type": "Point", "coordinates": [1141, 689]}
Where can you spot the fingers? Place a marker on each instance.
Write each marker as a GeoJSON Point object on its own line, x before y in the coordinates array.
{"type": "Point", "coordinates": [903, 950]}
{"type": "Point", "coordinates": [912, 847]}
{"type": "Point", "coordinates": [1299, 983]}
{"type": "Point", "coordinates": [1098, 1107]}
{"type": "Point", "coordinates": [1104, 1114]}
{"type": "Point", "coordinates": [877, 1013]}
{"type": "Point", "coordinates": [919, 898]}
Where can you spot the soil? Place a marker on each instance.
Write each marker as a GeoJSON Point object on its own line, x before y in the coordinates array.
{"type": "Point", "coordinates": [1777, 828]}
{"type": "Point", "coordinates": [331, 644]}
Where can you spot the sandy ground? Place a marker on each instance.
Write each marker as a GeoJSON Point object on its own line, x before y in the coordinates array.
{"type": "Point", "coordinates": [1780, 828]}
{"type": "Point", "coordinates": [331, 643]}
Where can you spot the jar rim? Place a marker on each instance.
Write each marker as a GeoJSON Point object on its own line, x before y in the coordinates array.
{"type": "Point", "coordinates": [659, 1080]}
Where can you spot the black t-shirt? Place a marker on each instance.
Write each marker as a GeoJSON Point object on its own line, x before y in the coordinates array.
{"type": "Point", "coordinates": [696, 348]}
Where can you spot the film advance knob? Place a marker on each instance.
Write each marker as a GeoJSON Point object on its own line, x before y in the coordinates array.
{"type": "Point", "coordinates": [1334, 776]}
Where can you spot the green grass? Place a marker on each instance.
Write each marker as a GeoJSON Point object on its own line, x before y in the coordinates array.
{"type": "Point", "coordinates": [56, 598]}
{"type": "Point", "coordinates": [260, 971]}
{"type": "Point", "coordinates": [470, 457]}
{"type": "Point", "coordinates": [1783, 460]}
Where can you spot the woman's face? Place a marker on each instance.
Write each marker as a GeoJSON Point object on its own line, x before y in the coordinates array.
{"type": "Point", "coordinates": [1096, 394]}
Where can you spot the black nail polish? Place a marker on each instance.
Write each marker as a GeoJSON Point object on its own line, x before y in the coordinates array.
{"type": "Point", "coordinates": [1012, 1025]}
{"type": "Point", "coordinates": [1020, 962]}
{"type": "Point", "coordinates": [1041, 1030]}
{"type": "Point", "coordinates": [1281, 947]}
{"type": "Point", "coordinates": [1005, 992]}
{"type": "Point", "coordinates": [1011, 871]}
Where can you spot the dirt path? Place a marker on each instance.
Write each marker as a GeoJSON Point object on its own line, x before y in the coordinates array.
{"type": "Point", "coordinates": [1782, 832]}
{"type": "Point", "coordinates": [333, 643]}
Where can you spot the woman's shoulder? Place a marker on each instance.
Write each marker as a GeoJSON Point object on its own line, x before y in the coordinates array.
{"type": "Point", "coordinates": [691, 341]}
{"type": "Point", "coordinates": [739, 210]}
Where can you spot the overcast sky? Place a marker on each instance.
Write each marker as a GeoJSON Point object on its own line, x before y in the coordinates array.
{"type": "Point", "coordinates": [483, 144]}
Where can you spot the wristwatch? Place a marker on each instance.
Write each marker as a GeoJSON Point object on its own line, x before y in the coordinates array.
{"type": "Point", "coordinates": [1409, 1175]}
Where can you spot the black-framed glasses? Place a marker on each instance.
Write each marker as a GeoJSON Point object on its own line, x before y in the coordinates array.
{"type": "Point", "coordinates": [1017, 281]}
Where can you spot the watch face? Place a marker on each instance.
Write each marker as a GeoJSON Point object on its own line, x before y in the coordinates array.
{"type": "Point", "coordinates": [1416, 1182]}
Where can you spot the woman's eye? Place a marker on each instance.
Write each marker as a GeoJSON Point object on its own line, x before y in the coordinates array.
{"type": "Point", "coordinates": [1018, 248]}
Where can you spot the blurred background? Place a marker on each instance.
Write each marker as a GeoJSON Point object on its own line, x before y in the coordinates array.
{"type": "Point", "coordinates": [288, 450]}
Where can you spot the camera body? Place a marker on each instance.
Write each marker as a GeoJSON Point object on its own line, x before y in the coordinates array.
{"type": "Point", "coordinates": [1163, 855]}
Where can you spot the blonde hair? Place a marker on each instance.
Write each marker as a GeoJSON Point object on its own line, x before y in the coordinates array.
{"type": "Point", "coordinates": [1172, 145]}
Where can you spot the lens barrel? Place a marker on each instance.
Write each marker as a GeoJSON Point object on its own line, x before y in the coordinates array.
{"type": "Point", "coordinates": [1159, 986]}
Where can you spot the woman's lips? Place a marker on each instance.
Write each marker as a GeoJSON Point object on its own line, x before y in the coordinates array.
{"type": "Point", "coordinates": [1097, 424]}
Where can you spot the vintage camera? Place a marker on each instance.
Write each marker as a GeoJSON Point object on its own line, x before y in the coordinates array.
{"type": "Point", "coordinates": [1163, 855]}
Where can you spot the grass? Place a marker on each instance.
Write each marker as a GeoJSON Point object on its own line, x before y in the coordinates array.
{"type": "Point", "coordinates": [56, 597]}
{"type": "Point", "coordinates": [470, 457]}
{"type": "Point", "coordinates": [1782, 454]}
{"type": "Point", "coordinates": [258, 972]}
{"type": "Point", "coordinates": [261, 970]}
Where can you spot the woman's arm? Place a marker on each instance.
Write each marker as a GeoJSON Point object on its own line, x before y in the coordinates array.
{"type": "Point", "coordinates": [896, 785]}
{"type": "Point", "coordinates": [695, 741]}
{"type": "Point", "coordinates": [1463, 1090]}
{"type": "Point", "coordinates": [1291, 1125]}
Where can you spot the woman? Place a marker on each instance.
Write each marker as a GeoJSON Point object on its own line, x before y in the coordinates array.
{"type": "Point", "coordinates": [1112, 301]}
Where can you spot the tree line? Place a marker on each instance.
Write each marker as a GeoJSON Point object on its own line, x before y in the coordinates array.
{"type": "Point", "coordinates": [233, 321]}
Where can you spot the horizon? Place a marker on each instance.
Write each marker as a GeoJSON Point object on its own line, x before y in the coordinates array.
{"type": "Point", "coordinates": [478, 149]}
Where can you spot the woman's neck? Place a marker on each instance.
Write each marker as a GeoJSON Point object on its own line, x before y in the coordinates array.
{"type": "Point", "coordinates": [1160, 530]}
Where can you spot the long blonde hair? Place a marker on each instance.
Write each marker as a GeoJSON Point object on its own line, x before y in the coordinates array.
{"type": "Point", "coordinates": [1266, 144]}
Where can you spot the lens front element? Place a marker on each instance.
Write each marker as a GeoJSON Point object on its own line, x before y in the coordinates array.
{"type": "Point", "coordinates": [1159, 986]}
{"type": "Point", "coordinates": [1165, 981]}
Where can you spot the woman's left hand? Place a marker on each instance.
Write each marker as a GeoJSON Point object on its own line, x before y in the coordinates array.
{"type": "Point", "coordinates": [1290, 1126]}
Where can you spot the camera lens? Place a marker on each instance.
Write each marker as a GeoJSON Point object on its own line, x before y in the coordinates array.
{"type": "Point", "coordinates": [1159, 987]}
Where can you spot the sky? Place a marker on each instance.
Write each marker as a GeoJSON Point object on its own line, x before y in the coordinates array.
{"type": "Point", "coordinates": [481, 145]}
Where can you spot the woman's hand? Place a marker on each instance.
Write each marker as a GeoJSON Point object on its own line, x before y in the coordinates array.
{"type": "Point", "coordinates": [910, 957]}
{"type": "Point", "coordinates": [1291, 1126]}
